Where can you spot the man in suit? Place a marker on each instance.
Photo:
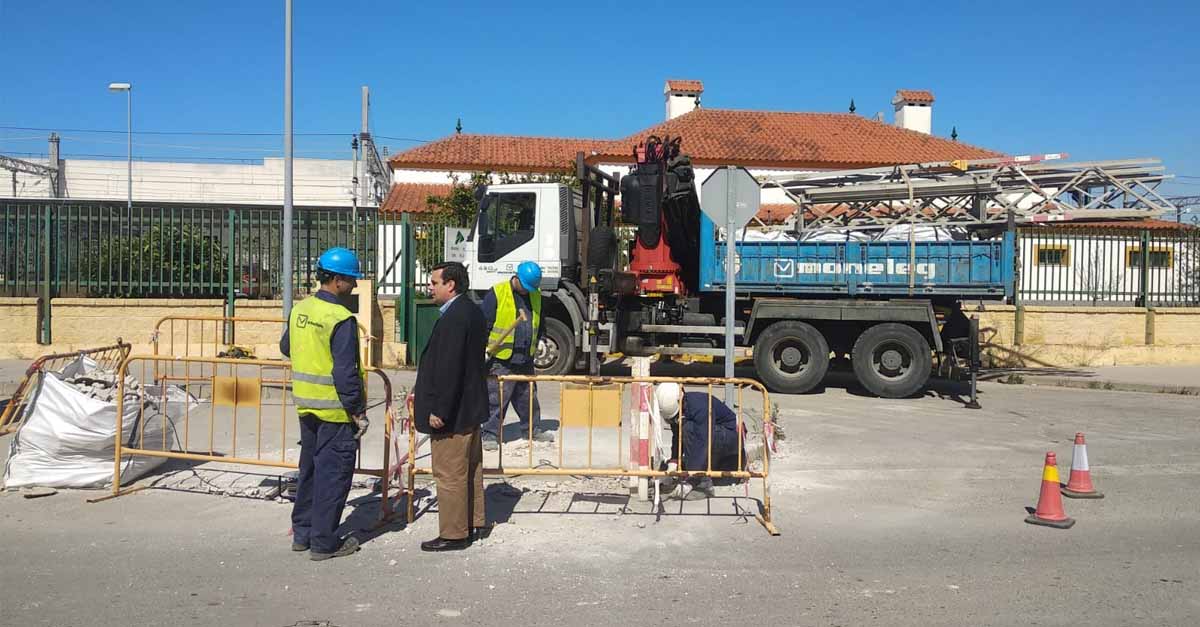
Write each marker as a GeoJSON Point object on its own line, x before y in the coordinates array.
{"type": "Point", "coordinates": [450, 403]}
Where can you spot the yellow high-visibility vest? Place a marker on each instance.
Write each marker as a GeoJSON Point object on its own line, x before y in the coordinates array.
{"type": "Point", "coordinates": [506, 315]}
{"type": "Point", "coordinates": [310, 328]}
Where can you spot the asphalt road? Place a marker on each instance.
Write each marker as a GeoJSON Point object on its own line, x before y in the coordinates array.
{"type": "Point", "coordinates": [893, 512]}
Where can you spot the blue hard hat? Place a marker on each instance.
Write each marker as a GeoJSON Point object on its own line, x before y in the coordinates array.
{"type": "Point", "coordinates": [530, 275]}
{"type": "Point", "coordinates": [341, 261]}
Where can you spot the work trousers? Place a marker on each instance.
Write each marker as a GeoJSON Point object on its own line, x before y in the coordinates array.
{"type": "Point", "coordinates": [516, 394]}
{"type": "Point", "coordinates": [458, 470]}
{"type": "Point", "coordinates": [327, 455]}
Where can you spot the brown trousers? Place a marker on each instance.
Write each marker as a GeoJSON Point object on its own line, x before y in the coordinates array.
{"type": "Point", "coordinates": [458, 470]}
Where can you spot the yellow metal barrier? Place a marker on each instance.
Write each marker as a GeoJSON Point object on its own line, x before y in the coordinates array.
{"type": "Point", "coordinates": [205, 336]}
{"type": "Point", "coordinates": [108, 357]}
{"type": "Point", "coordinates": [602, 402]}
{"type": "Point", "coordinates": [226, 401]}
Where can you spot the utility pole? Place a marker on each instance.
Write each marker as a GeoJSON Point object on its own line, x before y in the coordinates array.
{"type": "Point", "coordinates": [57, 186]}
{"type": "Point", "coordinates": [15, 165]}
{"type": "Point", "coordinates": [354, 188]}
{"type": "Point", "coordinates": [287, 162]}
{"type": "Point", "coordinates": [365, 134]}
{"type": "Point", "coordinates": [1183, 203]}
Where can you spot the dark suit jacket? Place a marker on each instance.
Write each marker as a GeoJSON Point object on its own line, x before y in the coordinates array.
{"type": "Point", "coordinates": [452, 377]}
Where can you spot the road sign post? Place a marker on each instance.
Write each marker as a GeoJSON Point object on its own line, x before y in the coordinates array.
{"type": "Point", "coordinates": [730, 196]}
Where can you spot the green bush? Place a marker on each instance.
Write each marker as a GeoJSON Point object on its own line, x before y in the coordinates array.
{"type": "Point", "coordinates": [161, 261]}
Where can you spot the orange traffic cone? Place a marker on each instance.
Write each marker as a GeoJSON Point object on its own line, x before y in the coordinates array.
{"type": "Point", "coordinates": [1080, 485]}
{"type": "Point", "coordinates": [1049, 508]}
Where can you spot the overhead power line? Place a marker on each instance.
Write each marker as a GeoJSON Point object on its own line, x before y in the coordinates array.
{"type": "Point", "coordinates": [199, 133]}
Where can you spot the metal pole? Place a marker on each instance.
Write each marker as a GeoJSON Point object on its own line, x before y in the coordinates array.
{"type": "Point", "coordinates": [730, 272]}
{"type": "Point", "coordinates": [354, 191]}
{"type": "Point", "coordinates": [230, 292]}
{"type": "Point", "coordinates": [363, 186]}
{"type": "Point", "coordinates": [47, 241]}
{"type": "Point", "coordinates": [975, 357]}
{"type": "Point", "coordinates": [286, 266]}
{"type": "Point", "coordinates": [129, 147]}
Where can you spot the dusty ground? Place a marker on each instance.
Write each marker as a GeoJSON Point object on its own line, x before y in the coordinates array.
{"type": "Point", "coordinates": [905, 512]}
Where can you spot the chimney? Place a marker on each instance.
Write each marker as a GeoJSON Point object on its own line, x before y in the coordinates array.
{"type": "Point", "coordinates": [914, 109]}
{"type": "Point", "coordinates": [682, 97]}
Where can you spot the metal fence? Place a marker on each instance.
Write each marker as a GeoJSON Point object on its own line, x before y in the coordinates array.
{"type": "Point", "coordinates": [1107, 266]}
{"type": "Point", "coordinates": [426, 233]}
{"type": "Point", "coordinates": [64, 248]}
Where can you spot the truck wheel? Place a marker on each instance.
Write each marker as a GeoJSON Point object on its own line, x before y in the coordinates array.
{"type": "Point", "coordinates": [892, 360]}
{"type": "Point", "coordinates": [791, 357]}
{"type": "Point", "coordinates": [556, 350]}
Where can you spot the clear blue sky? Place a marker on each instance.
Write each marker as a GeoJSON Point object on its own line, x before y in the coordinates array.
{"type": "Point", "coordinates": [1096, 79]}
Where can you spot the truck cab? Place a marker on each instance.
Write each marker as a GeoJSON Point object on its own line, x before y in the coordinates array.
{"type": "Point", "coordinates": [519, 222]}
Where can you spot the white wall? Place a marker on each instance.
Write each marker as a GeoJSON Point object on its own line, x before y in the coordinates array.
{"type": "Point", "coordinates": [1097, 268]}
{"type": "Point", "coordinates": [315, 181]}
{"type": "Point", "coordinates": [915, 118]}
{"type": "Point", "coordinates": [679, 104]}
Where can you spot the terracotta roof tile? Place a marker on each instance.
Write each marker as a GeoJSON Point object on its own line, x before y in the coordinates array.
{"type": "Point", "coordinates": [1148, 224]}
{"type": "Point", "coordinates": [412, 197]}
{"type": "Point", "coordinates": [499, 153]}
{"type": "Point", "coordinates": [685, 85]}
{"type": "Point", "coordinates": [792, 140]}
{"type": "Point", "coordinates": [913, 95]}
{"type": "Point", "coordinates": [775, 214]}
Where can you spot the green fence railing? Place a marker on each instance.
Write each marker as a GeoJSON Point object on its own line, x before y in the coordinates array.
{"type": "Point", "coordinates": [1079, 265]}
{"type": "Point", "coordinates": [62, 248]}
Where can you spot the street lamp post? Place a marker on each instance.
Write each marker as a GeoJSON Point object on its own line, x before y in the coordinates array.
{"type": "Point", "coordinates": [286, 266]}
{"type": "Point", "coordinates": [128, 89]}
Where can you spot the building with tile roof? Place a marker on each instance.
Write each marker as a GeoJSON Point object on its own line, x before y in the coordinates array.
{"type": "Point", "coordinates": [773, 142]}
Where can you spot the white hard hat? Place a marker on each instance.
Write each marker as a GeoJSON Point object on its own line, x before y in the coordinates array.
{"type": "Point", "coordinates": [667, 395]}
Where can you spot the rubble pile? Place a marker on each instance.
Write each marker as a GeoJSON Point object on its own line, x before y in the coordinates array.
{"type": "Point", "coordinates": [68, 429]}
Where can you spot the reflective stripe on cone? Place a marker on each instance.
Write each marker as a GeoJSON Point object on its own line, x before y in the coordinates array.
{"type": "Point", "coordinates": [1049, 512]}
{"type": "Point", "coordinates": [1080, 484]}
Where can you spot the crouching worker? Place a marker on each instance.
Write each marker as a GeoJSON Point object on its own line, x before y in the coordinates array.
{"type": "Point", "coordinates": [687, 415]}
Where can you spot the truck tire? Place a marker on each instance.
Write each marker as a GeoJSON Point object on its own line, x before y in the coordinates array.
{"type": "Point", "coordinates": [556, 350]}
{"type": "Point", "coordinates": [602, 249]}
{"type": "Point", "coordinates": [892, 360]}
{"type": "Point", "coordinates": [791, 357]}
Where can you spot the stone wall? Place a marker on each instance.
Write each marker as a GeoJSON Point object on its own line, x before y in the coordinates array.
{"type": "Point", "coordinates": [80, 323]}
{"type": "Point", "coordinates": [1042, 336]}
{"type": "Point", "coordinates": [1038, 336]}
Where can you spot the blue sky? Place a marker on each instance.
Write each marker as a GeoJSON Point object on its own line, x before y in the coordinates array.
{"type": "Point", "coordinates": [1098, 79]}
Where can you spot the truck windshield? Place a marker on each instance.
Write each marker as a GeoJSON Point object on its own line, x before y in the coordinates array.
{"type": "Point", "coordinates": [506, 224]}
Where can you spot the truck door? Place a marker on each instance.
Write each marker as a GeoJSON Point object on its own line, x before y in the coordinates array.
{"type": "Point", "coordinates": [506, 235]}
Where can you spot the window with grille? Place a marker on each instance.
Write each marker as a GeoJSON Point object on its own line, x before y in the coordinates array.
{"type": "Point", "coordinates": [1157, 258]}
{"type": "Point", "coordinates": [1053, 256]}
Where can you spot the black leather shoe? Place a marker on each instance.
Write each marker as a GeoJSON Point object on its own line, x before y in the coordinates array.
{"type": "Point", "coordinates": [481, 533]}
{"type": "Point", "coordinates": [440, 544]}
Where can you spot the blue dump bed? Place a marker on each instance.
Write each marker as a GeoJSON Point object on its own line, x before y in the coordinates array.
{"type": "Point", "coordinates": [969, 269]}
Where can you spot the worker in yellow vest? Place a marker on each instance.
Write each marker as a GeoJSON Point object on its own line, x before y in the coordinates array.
{"type": "Point", "coordinates": [327, 385]}
{"type": "Point", "coordinates": [515, 355]}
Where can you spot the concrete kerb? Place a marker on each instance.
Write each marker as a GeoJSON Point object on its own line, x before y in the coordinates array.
{"type": "Point", "coordinates": [1084, 380]}
{"type": "Point", "coordinates": [591, 418]}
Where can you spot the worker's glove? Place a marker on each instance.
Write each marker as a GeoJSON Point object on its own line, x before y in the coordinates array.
{"type": "Point", "coordinates": [363, 423]}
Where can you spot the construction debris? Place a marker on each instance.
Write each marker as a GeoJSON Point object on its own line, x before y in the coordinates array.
{"type": "Point", "coordinates": [66, 439]}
